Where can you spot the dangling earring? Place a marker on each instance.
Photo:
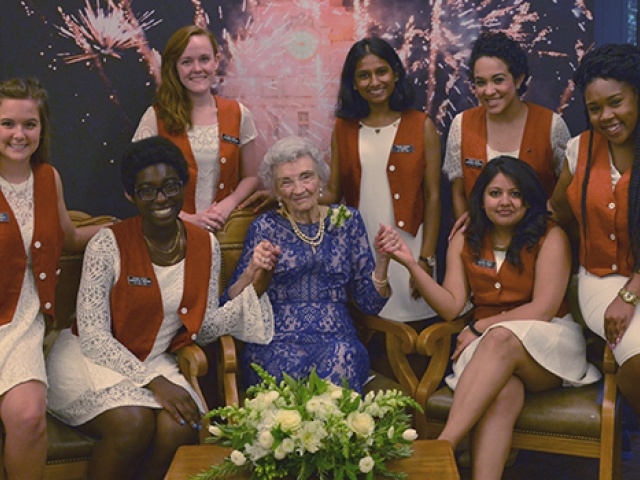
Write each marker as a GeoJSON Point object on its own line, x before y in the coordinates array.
{"type": "Point", "coordinates": [321, 192]}
{"type": "Point", "coordinates": [280, 204]}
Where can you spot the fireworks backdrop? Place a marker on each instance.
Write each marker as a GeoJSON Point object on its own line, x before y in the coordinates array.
{"type": "Point", "coordinates": [99, 61]}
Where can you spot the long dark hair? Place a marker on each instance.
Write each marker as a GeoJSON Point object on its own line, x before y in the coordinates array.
{"type": "Point", "coordinates": [619, 62]}
{"type": "Point", "coordinates": [350, 102]}
{"type": "Point", "coordinates": [534, 223]}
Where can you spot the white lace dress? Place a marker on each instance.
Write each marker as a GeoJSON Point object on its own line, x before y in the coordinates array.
{"type": "Point", "coordinates": [93, 372]}
{"type": "Point", "coordinates": [21, 354]}
{"type": "Point", "coordinates": [205, 144]}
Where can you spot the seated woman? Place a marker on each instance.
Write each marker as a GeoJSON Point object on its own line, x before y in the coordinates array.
{"type": "Point", "coordinates": [149, 287]}
{"type": "Point", "coordinates": [322, 265]}
{"type": "Point", "coordinates": [522, 338]}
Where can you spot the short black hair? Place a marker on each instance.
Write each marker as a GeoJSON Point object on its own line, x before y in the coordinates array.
{"type": "Point", "coordinates": [147, 152]}
{"type": "Point", "coordinates": [500, 45]}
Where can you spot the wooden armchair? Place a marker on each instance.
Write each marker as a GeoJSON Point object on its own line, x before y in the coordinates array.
{"type": "Point", "coordinates": [581, 421]}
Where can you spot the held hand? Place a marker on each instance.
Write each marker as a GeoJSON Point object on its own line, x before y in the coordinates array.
{"type": "Point", "coordinates": [176, 401]}
{"type": "Point", "coordinates": [203, 220]}
{"type": "Point", "coordinates": [465, 338]}
{"type": "Point", "coordinates": [259, 200]}
{"type": "Point", "coordinates": [460, 224]}
{"type": "Point", "coordinates": [390, 244]}
{"type": "Point", "coordinates": [262, 265]}
{"type": "Point", "coordinates": [617, 318]}
{"type": "Point", "coordinates": [217, 214]}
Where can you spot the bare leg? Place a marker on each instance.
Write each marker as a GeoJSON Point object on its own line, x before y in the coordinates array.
{"type": "Point", "coordinates": [23, 413]}
{"type": "Point", "coordinates": [169, 436]}
{"type": "Point", "coordinates": [124, 435]}
{"type": "Point", "coordinates": [499, 356]}
{"type": "Point", "coordinates": [628, 380]}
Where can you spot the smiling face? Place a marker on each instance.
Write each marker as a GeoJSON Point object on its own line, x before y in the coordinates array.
{"type": "Point", "coordinates": [162, 211]}
{"type": "Point", "coordinates": [613, 109]}
{"type": "Point", "coordinates": [197, 65]}
{"type": "Point", "coordinates": [374, 79]}
{"type": "Point", "coordinates": [297, 185]}
{"type": "Point", "coordinates": [495, 87]}
{"type": "Point", "coordinates": [20, 130]}
{"type": "Point", "coordinates": [503, 202]}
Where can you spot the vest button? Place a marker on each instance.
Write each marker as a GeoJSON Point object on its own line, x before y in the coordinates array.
{"type": "Point", "coordinates": [223, 160]}
{"type": "Point", "coordinates": [498, 285]}
{"type": "Point", "coordinates": [58, 271]}
{"type": "Point", "coordinates": [42, 275]}
{"type": "Point", "coordinates": [184, 310]}
{"type": "Point", "coordinates": [612, 205]}
{"type": "Point", "coordinates": [396, 196]}
{"type": "Point", "coordinates": [614, 267]}
{"type": "Point", "coordinates": [221, 187]}
{"type": "Point", "coordinates": [37, 244]}
{"type": "Point", "coordinates": [392, 168]}
{"type": "Point", "coordinates": [194, 337]}
{"type": "Point", "coordinates": [401, 223]}
{"type": "Point", "coordinates": [612, 236]}
{"type": "Point", "coordinates": [47, 306]}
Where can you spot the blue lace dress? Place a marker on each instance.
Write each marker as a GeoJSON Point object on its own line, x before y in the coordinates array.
{"type": "Point", "coordinates": [309, 294]}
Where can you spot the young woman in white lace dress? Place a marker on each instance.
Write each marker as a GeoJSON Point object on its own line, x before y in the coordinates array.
{"type": "Point", "coordinates": [149, 287]}
{"type": "Point", "coordinates": [216, 135]}
{"type": "Point", "coordinates": [33, 223]}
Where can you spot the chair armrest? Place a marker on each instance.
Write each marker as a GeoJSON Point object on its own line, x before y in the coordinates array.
{"type": "Point", "coordinates": [430, 338]}
{"type": "Point", "coordinates": [609, 364]}
{"type": "Point", "coordinates": [228, 370]}
{"type": "Point", "coordinates": [193, 364]}
{"type": "Point", "coordinates": [405, 334]}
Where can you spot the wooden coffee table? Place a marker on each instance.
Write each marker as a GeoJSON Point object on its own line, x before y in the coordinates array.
{"type": "Point", "coordinates": [431, 459]}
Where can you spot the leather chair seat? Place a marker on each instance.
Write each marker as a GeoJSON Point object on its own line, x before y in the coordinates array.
{"type": "Point", "coordinates": [66, 444]}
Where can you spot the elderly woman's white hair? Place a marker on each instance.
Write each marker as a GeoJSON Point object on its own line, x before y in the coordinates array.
{"type": "Point", "coordinates": [290, 149]}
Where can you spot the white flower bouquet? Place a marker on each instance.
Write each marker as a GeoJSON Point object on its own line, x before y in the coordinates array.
{"type": "Point", "coordinates": [311, 428]}
{"type": "Point", "coordinates": [338, 216]}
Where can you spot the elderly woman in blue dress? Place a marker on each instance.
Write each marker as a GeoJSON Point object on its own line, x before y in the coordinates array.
{"type": "Point", "coordinates": [320, 263]}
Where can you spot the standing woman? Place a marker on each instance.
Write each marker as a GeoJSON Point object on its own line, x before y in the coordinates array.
{"type": "Point", "coordinates": [503, 124]}
{"type": "Point", "coordinates": [216, 135]}
{"type": "Point", "coordinates": [385, 160]}
{"type": "Point", "coordinates": [599, 186]}
{"type": "Point", "coordinates": [34, 228]}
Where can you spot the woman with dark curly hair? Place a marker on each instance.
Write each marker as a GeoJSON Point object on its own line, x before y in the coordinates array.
{"type": "Point", "coordinates": [503, 124]}
{"type": "Point", "coordinates": [516, 264]}
{"type": "Point", "coordinates": [600, 187]}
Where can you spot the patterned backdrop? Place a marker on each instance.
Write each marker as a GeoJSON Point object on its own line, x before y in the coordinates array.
{"type": "Point", "coordinates": [99, 61]}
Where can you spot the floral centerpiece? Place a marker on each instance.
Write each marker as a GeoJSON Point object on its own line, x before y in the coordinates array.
{"type": "Point", "coordinates": [312, 428]}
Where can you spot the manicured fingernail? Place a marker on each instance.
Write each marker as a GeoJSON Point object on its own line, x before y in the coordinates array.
{"type": "Point", "coordinates": [194, 425]}
{"type": "Point", "coordinates": [182, 422]}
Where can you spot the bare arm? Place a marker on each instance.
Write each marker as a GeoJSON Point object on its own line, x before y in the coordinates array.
{"type": "Point", "coordinates": [333, 193]}
{"type": "Point", "coordinates": [432, 207]}
{"type": "Point", "coordinates": [459, 197]}
{"type": "Point", "coordinates": [558, 204]}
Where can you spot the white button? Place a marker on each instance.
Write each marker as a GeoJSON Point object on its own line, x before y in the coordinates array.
{"type": "Point", "coordinates": [396, 196]}
{"type": "Point", "coordinates": [194, 337]}
{"type": "Point", "coordinates": [401, 223]}
{"type": "Point", "coordinates": [42, 276]}
{"type": "Point", "coordinates": [392, 168]}
{"type": "Point", "coordinates": [614, 267]}
{"type": "Point", "coordinates": [221, 186]}
{"type": "Point", "coordinates": [37, 244]}
{"type": "Point", "coordinates": [612, 236]}
{"type": "Point", "coordinates": [184, 310]}
{"type": "Point", "coordinates": [612, 206]}
{"type": "Point", "coordinates": [497, 285]}
{"type": "Point", "coordinates": [223, 160]}
{"type": "Point", "coordinates": [47, 306]}
{"type": "Point", "coordinates": [58, 272]}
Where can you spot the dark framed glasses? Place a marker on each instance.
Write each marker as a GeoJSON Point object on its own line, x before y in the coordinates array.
{"type": "Point", "coordinates": [169, 189]}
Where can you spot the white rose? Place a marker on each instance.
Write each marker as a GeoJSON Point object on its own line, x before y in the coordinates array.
{"type": "Point", "coordinates": [361, 424]}
{"type": "Point", "coordinates": [238, 458]}
{"type": "Point", "coordinates": [288, 420]}
{"type": "Point", "coordinates": [288, 445]}
{"type": "Point", "coordinates": [410, 434]}
{"type": "Point", "coordinates": [390, 433]}
{"type": "Point", "coordinates": [215, 431]}
{"type": "Point", "coordinates": [366, 464]}
{"type": "Point", "coordinates": [279, 453]}
{"type": "Point", "coordinates": [265, 439]}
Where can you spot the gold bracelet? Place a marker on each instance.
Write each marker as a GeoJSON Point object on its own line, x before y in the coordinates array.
{"type": "Point", "coordinates": [379, 283]}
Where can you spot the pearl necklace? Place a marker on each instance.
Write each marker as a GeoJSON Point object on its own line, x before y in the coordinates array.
{"type": "Point", "coordinates": [313, 241]}
{"type": "Point", "coordinates": [177, 243]}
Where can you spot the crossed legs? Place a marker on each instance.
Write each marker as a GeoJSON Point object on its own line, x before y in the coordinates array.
{"type": "Point", "coordinates": [489, 397]}
{"type": "Point", "coordinates": [22, 411]}
{"type": "Point", "coordinates": [135, 443]}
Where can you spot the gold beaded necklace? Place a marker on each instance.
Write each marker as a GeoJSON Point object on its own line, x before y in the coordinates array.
{"type": "Point", "coordinates": [313, 241]}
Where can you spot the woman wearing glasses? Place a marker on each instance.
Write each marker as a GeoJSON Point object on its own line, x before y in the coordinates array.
{"type": "Point", "coordinates": [149, 287]}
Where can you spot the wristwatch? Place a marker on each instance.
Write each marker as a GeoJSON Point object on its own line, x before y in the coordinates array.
{"type": "Point", "coordinates": [628, 296]}
{"type": "Point", "coordinates": [430, 261]}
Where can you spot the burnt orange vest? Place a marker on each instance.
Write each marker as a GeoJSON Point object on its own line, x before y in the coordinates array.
{"type": "Point", "coordinates": [405, 169]}
{"type": "Point", "coordinates": [136, 303]}
{"type": "Point", "coordinates": [497, 292]}
{"type": "Point", "coordinates": [535, 148]}
{"type": "Point", "coordinates": [46, 247]}
{"type": "Point", "coordinates": [606, 248]}
{"type": "Point", "coordinates": [229, 118]}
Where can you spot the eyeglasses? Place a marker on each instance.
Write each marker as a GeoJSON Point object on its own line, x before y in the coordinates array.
{"type": "Point", "coordinates": [169, 189]}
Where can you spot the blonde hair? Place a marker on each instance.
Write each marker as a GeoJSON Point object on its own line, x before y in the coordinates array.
{"type": "Point", "coordinates": [172, 100]}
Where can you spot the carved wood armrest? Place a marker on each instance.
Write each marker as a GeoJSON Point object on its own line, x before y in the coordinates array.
{"type": "Point", "coordinates": [609, 365]}
{"type": "Point", "coordinates": [193, 364]}
{"type": "Point", "coordinates": [228, 370]}
{"type": "Point", "coordinates": [405, 334]}
{"type": "Point", "coordinates": [430, 338]}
